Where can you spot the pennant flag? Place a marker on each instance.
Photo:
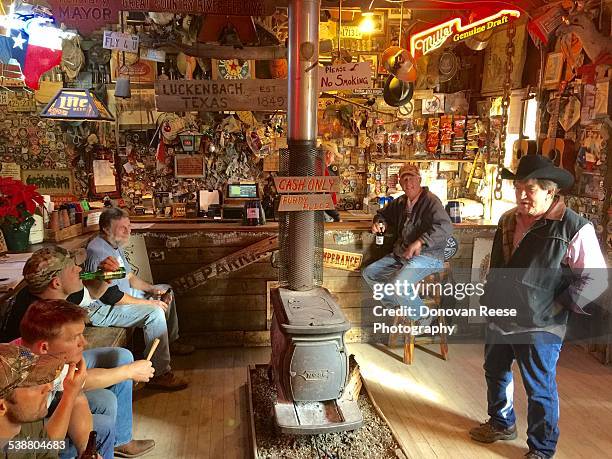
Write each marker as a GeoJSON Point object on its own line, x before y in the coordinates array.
{"type": "Point", "coordinates": [36, 52]}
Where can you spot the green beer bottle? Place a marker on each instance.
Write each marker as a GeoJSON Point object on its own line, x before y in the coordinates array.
{"type": "Point", "coordinates": [103, 275]}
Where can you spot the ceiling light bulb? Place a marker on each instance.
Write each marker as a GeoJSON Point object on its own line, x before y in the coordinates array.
{"type": "Point", "coordinates": [367, 25]}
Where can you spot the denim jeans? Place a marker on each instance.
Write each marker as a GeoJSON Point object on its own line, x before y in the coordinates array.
{"type": "Point", "coordinates": [392, 268]}
{"type": "Point", "coordinates": [151, 319]}
{"type": "Point", "coordinates": [115, 400]}
{"type": "Point", "coordinates": [103, 424]}
{"type": "Point", "coordinates": [536, 354]}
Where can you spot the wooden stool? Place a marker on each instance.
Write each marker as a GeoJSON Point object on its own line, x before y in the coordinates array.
{"type": "Point", "coordinates": [411, 340]}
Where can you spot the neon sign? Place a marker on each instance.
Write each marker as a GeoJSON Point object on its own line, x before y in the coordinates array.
{"type": "Point", "coordinates": [433, 38]}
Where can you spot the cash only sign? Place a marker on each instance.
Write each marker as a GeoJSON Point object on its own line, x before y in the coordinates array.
{"type": "Point", "coordinates": [306, 193]}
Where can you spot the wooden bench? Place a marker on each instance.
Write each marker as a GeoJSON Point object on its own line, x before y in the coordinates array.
{"type": "Point", "coordinates": [108, 337]}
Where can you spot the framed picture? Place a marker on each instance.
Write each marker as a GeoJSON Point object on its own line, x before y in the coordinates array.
{"type": "Point", "coordinates": [493, 76]}
{"type": "Point", "coordinates": [553, 69]}
{"type": "Point", "coordinates": [189, 166]}
{"type": "Point", "coordinates": [372, 59]}
{"type": "Point", "coordinates": [380, 23]}
{"type": "Point", "coordinates": [51, 182]}
{"type": "Point", "coordinates": [138, 70]}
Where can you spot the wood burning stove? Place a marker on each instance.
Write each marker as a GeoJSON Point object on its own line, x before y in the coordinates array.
{"type": "Point", "coordinates": [310, 363]}
{"type": "Point", "coordinates": [309, 360]}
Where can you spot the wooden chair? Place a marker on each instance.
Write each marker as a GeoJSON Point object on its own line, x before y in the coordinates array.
{"type": "Point", "coordinates": [410, 341]}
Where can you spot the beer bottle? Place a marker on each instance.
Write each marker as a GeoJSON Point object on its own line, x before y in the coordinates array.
{"type": "Point", "coordinates": [91, 451]}
{"type": "Point", "coordinates": [103, 275]}
{"type": "Point", "coordinates": [380, 236]}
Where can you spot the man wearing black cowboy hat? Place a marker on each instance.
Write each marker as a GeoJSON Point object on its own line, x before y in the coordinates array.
{"type": "Point", "coordinates": [545, 262]}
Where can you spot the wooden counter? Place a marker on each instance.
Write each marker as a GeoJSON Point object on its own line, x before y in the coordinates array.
{"type": "Point", "coordinates": [232, 306]}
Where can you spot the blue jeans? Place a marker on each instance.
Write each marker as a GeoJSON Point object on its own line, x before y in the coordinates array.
{"type": "Point", "coordinates": [154, 322]}
{"type": "Point", "coordinates": [116, 400]}
{"type": "Point", "coordinates": [392, 268]}
{"type": "Point", "coordinates": [103, 424]}
{"type": "Point", "coordinates": [536, 354]}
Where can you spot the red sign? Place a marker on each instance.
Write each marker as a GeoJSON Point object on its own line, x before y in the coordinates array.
{"type": "Point", "coordinates": [431, 39]}
{"type": "Point", "coordinates": [307, 184]}
{"type": "Point", "coordinates": [87, 16]}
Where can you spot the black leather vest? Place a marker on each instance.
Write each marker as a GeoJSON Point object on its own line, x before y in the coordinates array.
{"type": "Point", "coordinates": [534, 275]}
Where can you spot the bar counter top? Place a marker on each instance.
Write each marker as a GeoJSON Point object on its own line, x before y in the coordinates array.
{"type": "Point", "coordinates": [142, 224]}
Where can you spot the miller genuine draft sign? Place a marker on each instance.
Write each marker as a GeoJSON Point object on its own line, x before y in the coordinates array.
{"type": "Point", "coordinates": [220, 95]}
{"type": "Point", "coordinates": [425, 42]}
{"type": "Point", "coordinates": [89, 15]}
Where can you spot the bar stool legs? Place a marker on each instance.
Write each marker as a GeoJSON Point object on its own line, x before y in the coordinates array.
{"type": "Point", "coordinates": [410, 341]}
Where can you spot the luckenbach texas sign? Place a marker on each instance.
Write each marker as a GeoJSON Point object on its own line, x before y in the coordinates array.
{"type": "Point", "coordinates": [219, 95]}
{"type": "Point", "coordinates": [426, 41]}
{"type": "Point", "coordinates": [89, 15]}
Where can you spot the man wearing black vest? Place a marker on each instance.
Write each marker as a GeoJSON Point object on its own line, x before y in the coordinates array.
{"type": "Point", "coordinates": [545, 263]}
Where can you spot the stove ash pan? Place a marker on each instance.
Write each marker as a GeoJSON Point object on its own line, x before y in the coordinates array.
{"type": "Point", "coordinates": [309, 358]}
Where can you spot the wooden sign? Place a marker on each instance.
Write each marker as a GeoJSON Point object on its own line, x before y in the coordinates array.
{"type": "Point", "coordinates": [219, 95]}
{"type": "Point", "coordinates": [345, 76]}
{"type": "Point", "coordinates": [228, 264]}
{"type": "Point", "coordinates": [351, 32]}
{"type": "Point", "coordinates": [304, 202]}
{"type": "Point", "coordinates": [120, 41]}
{"type": "Point", "coordinates": [12, 170]}
{"type": "Point", "coordinates": [87, 16]}
{"type": "Point", "coordinates": [189, 166]}
{"type": "Point", "coordinates": [347, 261]}
{"type": "Point", "coordinates": [21, 102]}
{"type": "Point", "coordinates": [369, 92]}
{"type": "Point", "coordinates": [307, 184]}
{"type": "Point", "coordinates": [52, 182]}
{"type": "Point", "coordinates": [156, 55]}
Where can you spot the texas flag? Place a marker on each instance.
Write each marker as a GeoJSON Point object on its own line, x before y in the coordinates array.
{"type": "Point", "coordinates": [36, 52]}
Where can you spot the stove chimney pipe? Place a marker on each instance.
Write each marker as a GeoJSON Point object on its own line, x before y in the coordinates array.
{"type": "Point", "coordinates": [303, 53]}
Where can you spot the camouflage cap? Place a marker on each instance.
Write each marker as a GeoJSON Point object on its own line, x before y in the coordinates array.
{"type": "Point", "coordinates": [47, 263]}
{"type": "Point", "coordinates": [19, 367]}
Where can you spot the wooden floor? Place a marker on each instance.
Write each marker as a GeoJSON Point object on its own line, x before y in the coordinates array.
{"type": "Point", "coordinates": [430, 404]}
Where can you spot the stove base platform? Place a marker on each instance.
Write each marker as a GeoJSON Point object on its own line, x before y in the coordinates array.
{"type": "Point", "coordinates": [308, 418]}
{"type": "Point", "coordinates": [375, 439]}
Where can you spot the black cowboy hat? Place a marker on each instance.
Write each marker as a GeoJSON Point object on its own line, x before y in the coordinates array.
{"type": "Point", "coordinates": [397, 92]}
{"type": "Point", "coordinates": [539, 167]}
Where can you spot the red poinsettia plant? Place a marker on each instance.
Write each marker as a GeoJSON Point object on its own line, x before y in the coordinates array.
{"type": "Point", "coordinates": [18, 201]}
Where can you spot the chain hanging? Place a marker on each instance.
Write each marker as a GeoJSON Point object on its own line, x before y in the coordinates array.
{"type": "Point", "coordinates": [511, 33]}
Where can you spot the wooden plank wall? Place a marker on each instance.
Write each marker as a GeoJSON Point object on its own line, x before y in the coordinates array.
{"type": "Point", "coordinates": [231, 309]}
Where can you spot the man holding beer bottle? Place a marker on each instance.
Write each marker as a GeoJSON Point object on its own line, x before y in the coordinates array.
{"type": "Point", "coordinates": [143, 305]}
{"type": "Point", "coordinates": [52, 273]}
{"type": "Point", "coordinates": [421, 227]}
